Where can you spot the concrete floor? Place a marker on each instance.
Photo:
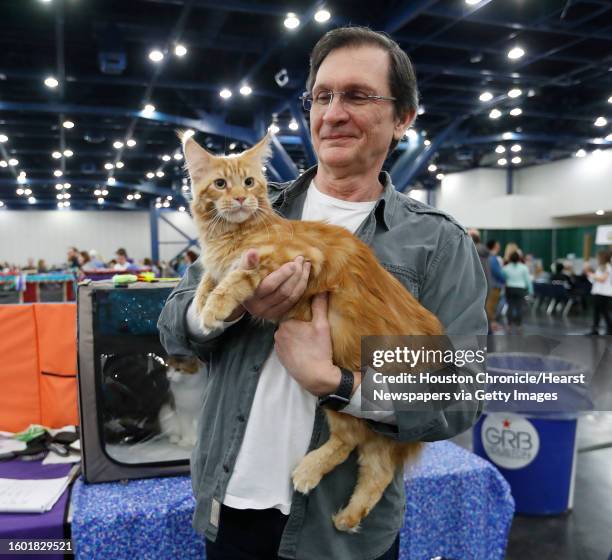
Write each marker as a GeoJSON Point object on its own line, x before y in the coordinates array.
{"type": "Point", "coordinates": [585, 533]}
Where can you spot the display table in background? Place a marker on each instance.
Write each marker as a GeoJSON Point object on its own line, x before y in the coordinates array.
{"type": "Point", "coordinates": [28, 284]}
{"type": "Point", "coordinates": [459, 507]}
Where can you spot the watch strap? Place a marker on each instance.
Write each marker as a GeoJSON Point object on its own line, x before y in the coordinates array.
{"type": "Point", "coordinates": [342, 395]}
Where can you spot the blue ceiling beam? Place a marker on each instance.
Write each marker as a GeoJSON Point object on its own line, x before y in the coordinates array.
{"type": "Point", "coordinates": [304, 132]}
{"type": "Point", "coordinates": [281, 161]}
{"type": "Point", "coordinates": [232, 131]}
{"type": "Point", "coordinates": [230, 6]}
{"type": "Point", "coordinates": [405, 15]}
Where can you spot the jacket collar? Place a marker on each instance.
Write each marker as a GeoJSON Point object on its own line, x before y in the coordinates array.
{"type": "Point", "coordinates": [383, 211]}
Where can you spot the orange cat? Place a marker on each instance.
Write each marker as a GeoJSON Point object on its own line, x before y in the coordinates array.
{"type": "Point", "coordinates": [232, 212]}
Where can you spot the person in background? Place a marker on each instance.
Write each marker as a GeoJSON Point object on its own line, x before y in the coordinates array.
{"type": "Point", "coordinates": [601, 292]}
{"type": "Point", "coordinates": [148, 263]}
{"type": "Point", "coordinates": [123, 262]}
{"type": "Point", "coordinates": [497, 283]}
{"type": "Point", "coordinates": [560, 277]}
{"type": "Point", "coordinates": [42, 266]}
{"type": "Point", "coordinates": [73, 257]}
{"type": "Point", "coordinates": [512, 248]}
{"type": "Point", "coordinates": [189, 258]}
{"type": "Point", "coordinates": [95, 259]}
{"type": "Point", "coordinates": [518, 285]}
{"type": "Point", "coordinates": [85, 262]}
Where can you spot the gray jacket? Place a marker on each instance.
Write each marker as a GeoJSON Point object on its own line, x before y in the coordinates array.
{"type": "Point", "coordinates": [436, 260]}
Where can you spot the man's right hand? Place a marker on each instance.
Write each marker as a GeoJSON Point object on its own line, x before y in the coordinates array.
{"type": "Point", "coordinates": [278, 292]}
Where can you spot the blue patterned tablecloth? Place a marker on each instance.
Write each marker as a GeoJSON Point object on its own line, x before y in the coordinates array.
{"type": "Point", "coordinates": [459, 507]}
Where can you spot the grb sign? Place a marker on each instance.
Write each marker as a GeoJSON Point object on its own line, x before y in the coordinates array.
{"type": "Point", "coordinates": [510, 441]}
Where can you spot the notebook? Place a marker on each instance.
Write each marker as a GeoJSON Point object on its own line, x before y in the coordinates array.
{"type": "Point", "coordinates": [33, 496]}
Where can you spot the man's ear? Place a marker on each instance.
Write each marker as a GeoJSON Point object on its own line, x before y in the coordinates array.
{"type": "Point", "coordinates": [197, 159]}
{"type": "Point", "coordinates": [261, 152]}
{"type": "Point", "coordinates": [403, 123]}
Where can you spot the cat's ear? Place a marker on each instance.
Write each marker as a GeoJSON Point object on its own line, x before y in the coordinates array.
{"type": "Point", "coordinates": [197, 159]}
{"type": "Point", "coordinates": [260, 152]}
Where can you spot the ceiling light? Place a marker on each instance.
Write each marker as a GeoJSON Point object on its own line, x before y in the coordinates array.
{"type": "Point", "coordinates": [185, 188]}
{"type": "Point", "coordinates": [500, 149]}
{"type": "Point", "coordinates": [169, 197]}
{"type": "Point", "coordinates": [514, 92]}
{"type": "Point", "coordinates": [232, 146]}
{"type": "Point", "coordinates": [601, 121]}
{"type": "Point", "coordinates": [411, 134]}
{"type": "Point", "coordinates": [610, 99]}
{"type": "Point", "coordinates": [599, 141]}
{"type": "Point", "coordinates": [100, 200]}
{"type": "Point", "coordinates": [119, 165]}
{"type": "Point", "coordinates": [178, 156]}
{"type": "Point", "coordinates": [131, 143]}
{"type": "Point", "coordinates": [3, 138]}
{"type": "Point", "coordinates": [137, 196]}
{"type": "Point", "coordinates": [66, 204]}
{"type": "Point", "coordinates": [609, 138]}
{"type": "Point", "coordinates": [246, 90]}
{"type": "Point", "coordinates": [273, 128]}
{"type": "Point", "coordinates": [421, 110]}
{"type": "Point", "coordinates": [111, 181]}
{"type": "Point", "coordinates": [486, 96]}
{"type": "Point", "coordinates": [180, 50]}
{"type": "Point", "coordinates": [67, 185]}
{"type": "Point", "coordinates": [291, 21]}
{"type": "Point", "coordinates": [181, 209]}
{"type": "Point", "coordinates": [3, 163]}
{"type": "Point", "coordinates": [581, 153]}
{"type": "Point", "coordinates": [495, 114]}
{"type": "Point", "coordinates": [117, 144]}
{"type": "Point", "coordinates": [159, 174]}
{"type": "Point", "coordinates": [97, 192]}
{"type": "Point", "coordinates": [502, 161]}
{"type": "Point", "coordinates": [150, 175]}
{"type": "Point", "coordinates": [27, 192]}
{"type": "Point", "coordinates": [158, 205]}
{"type": "Point", "coordinates": [51, 82]}
{"type": "Point", "coordinates": [432, 168]}
{"type": "Point", "coordinates": [516, 112]}
{"type": "Point", "coordinates": [322, 16]}
{"type": "Point", "coordinates": [188, 134]}
{"type": "Point", "coordinates": [156, 55]}
{"type": "Point", "coordinates": [148, 110]}
{"type": "Point", "coordinates": [22, 180]}
{"type": "Point", "coordinates": [59, 196]}
{"type": "Point", "coordinates": [293, 125]}
{"type": "Point", "coordinates": [108, 166]}
{"type": "Point", "coordinates": [60, 204]}
{"type": "Point", "coordinates": [19, 191]}
{"type": "Point", "coordinates": [104, 192]}
{"type": "Point", "coordinates": [600, 212]}
{"type": "Point", "coordinates": [58, 173]}
{"type": "Point", "coordinates": [597, 151]}
{"type": "Point", "coordinates": [68, 124]}
{"type": "Point", "coordinates": [166, 157]}
{"type": "Point", "coordinates": [427, 142]}
{"type": "Point", "coordinates": [59, 186]}
{"type": "Point", "coordinates": [13, 162]}
{"type": "Point", "coordinates": [68, 153]}
{"type": "Point", "coordinates": [516, 148]}
{"type": "Point", "coordinates": [515, 53]}
{"type": "Point", "coordinates": [166, 204]}
{"type": "Point", "coordinates": [507, 135]}
{"type": "Point", "coordinates": [440, 176]}
{"type": "Point", "coordinates": [130, 196]}
{"type": "Point", "coordinates": [66, 195]}
{"type": "Point", "coordinates": [516, 160]}
{"type": "Point", "coordinates": [225, 93]}
{"type": "Point", "coordinates": [32, 200]}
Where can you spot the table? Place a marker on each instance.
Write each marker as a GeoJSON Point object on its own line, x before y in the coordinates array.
{"type": "Point", "coordinates": [459, 507]}
{"type": "Point", "coordinates": [28, 284]}
{"type": "Point", "coordinates": [49, 525]}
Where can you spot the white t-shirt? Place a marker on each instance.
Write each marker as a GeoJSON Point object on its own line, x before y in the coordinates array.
{"type": "Point", "coordinates": [282, 415]}
{"type": "Point", "coordinates": [602, 288]}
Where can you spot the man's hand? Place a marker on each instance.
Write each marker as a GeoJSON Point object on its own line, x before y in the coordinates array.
{"type": "Point", "coordinates": [305, 350]}
{"type": "Point", "coordinates": [278, 292]}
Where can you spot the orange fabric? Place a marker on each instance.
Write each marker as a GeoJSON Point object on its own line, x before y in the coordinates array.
{"type": "Point", "coordinates": [56, 335]}
{"type": "Point", "coordinates": [19, 372]}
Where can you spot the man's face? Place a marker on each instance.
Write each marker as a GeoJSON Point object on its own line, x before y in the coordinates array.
{"type": "Point", "coordinates": [121, 259]}
{"type": "Point", "coordinates": [354, 138]}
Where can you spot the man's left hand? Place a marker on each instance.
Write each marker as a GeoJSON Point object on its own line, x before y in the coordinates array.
{"type": "Point", "coordinates": [305, 350]}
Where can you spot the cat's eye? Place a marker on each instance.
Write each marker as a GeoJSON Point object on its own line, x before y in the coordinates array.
{"type": "Point", "coordinates": [220, 183]}
{"type": "Point", "coordinates": [249, 182]}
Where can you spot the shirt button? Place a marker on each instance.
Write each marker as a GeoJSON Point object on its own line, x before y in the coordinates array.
{"type": "Point", "coordinates": [241, 418]}
{"type": "Point", "coordinates": [226, 468]}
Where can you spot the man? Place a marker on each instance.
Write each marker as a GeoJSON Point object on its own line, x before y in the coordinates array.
{"type": "Point", "coordinates": [261, 412]}
{"type": "Point", "coordinates": [123, 261]}
{"type": "Point", "coordinates": [497, 283]}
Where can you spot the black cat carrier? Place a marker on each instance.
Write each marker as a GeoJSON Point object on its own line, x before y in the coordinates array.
{"type": "Point", "coordinates": [138, 406]}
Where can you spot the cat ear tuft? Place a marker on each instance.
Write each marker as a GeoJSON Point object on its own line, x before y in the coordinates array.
{"type": "Point", "coordinates": [262, 151]}
{"type": "Point", "coordinates": [196, 158]}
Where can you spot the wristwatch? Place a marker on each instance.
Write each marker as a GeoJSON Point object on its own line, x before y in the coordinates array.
{"type": "Point", "coordinates": [342, 395]}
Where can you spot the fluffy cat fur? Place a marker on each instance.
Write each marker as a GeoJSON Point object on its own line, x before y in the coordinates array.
{"type": "Point", "coordinates": [359, 289]}
{"type": "Point", "coordinates": [178, 417]}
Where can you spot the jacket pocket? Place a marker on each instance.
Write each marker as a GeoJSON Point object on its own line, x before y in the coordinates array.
{"type": "Point", "coordinates": [408, 277]}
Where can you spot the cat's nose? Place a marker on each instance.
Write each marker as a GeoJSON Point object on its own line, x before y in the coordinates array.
{"type": "Point", "coordinates": [240, 199]}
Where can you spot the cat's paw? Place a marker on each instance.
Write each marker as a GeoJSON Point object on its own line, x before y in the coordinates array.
{"type": "Point", "coordinates": [305, 476]}
{"type": "Point", "coordinates": [209, 321]}
{"type": "Point", "coordinates": [347, 521]}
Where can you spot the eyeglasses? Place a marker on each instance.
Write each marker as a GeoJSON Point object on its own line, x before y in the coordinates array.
{"type": "Point", "coordinates": [350, 98]}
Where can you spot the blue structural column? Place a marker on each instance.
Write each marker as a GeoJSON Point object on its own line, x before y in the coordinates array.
{"type": "Point", "coordinates": [154, 227]}
{"type": "Point", "coordinates": [304, 130]}
{"type": "Point", "coordinates": [509, 180]}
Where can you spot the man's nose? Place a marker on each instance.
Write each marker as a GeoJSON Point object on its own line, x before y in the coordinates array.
{"type": "Point", "coordinates": [240, 199]}
{"type": "Point", "coordinates": [335, 111]}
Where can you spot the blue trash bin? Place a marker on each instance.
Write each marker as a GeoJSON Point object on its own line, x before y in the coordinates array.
{"type": "Point", "coordinates": [535, 452]}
